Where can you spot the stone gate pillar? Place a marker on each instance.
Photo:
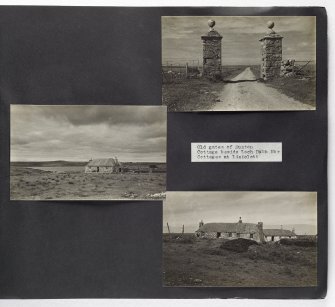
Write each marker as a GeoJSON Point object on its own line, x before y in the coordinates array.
{"type": "Point", "coordinates": [211, 53]}
{"type": "Point", "coordinates": [271, 54]}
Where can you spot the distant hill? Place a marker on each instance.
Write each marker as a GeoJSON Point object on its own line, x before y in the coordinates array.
{"type": "Point", "coordinates": [76, 163]}
{"type": "Point", "coordinates": [49, 163]}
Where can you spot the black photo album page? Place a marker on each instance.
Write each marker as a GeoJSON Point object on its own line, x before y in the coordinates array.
{"type": "Point", "coordinates": [163, 152]}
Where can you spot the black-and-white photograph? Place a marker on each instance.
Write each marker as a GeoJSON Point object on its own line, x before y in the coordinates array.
{"type": "Point", "coordinates": [239, 63]}
{"type": "Point", "coordinates": [240, 239]}
{"type": "Point", "coordinates": [87, 152]}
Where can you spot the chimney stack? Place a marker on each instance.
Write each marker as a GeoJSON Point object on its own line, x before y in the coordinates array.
{"type": "Point", "coordinates": [260, 230]}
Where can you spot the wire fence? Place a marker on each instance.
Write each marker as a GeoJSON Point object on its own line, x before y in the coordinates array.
{"type": "Point", "coordinates": [178, 70]}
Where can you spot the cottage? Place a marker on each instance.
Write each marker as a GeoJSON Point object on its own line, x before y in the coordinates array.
{"type": "Point", "coordinates": [111, 165]}
{"type": "Point", "coordinates": [277, 234]}
{"type": "Point", "coordinates": [243, 230]}
{"type": "Point", "coordinates": [231, 230]}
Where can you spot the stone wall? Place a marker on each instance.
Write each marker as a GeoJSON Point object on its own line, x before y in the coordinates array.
{"type": "Point", "coordinates": [260, 232]}
{"type": "Point", "coordinates": [212, 55]}
{"type": "Point", "coordinates": [271, 56]}
{"type": "Point", "coordinates": [103, 169]}
{"type": "Point", "coordinates": [230, 236]}
{"type": "Point", "coordinates": [277, 238]}
{"type": "Point", "coordinates": [271, 53]}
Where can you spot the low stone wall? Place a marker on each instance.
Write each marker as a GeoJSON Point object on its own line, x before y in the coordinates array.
{"type": "Point", "coordinates": [229, 236]}
{"type": "Point", "coordinates": [277, 238]}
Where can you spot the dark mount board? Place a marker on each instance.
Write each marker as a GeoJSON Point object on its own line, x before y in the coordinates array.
{"type": "Point", "coordinates": [100, 55]}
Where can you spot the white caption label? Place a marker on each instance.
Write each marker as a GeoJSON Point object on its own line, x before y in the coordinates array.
{"type": "Point", "coordinates": [236, 152]}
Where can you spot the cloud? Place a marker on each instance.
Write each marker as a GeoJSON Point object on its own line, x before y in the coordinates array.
{"type": "Point", "coordinates": [133, 133]}
{"type": "Point", "coordinates": [181, 40]}
{"type": "Point", "coordinates": [87, 115]}
{"type": "Point", "coordinates": [275, 208]}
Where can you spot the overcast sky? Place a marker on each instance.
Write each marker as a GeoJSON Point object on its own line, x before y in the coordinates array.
{"type": "Point", "coordinates": [78, 133]}
{"type": "Point", "coordinates": [271, 208]}
{"type": "Point", "coordinates": [181, 40]}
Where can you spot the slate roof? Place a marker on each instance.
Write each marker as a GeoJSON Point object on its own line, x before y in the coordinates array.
{"type": "Point", "coordinates": [229, 227]}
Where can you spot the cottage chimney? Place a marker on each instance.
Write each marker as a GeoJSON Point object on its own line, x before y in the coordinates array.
{"type": "Point", "coordinates": [261, 232]}
{"type": "Point", "coordinates": [240, 220]}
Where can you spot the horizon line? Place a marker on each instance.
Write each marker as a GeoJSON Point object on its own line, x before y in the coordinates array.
{"type": "Point", "coordinates": [80, 161]}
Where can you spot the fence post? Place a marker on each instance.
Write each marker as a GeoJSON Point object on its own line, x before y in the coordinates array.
{"type": "Point", "coordinates": [168, 229]}
{"type": "Point", "coordinates": [186, 69]}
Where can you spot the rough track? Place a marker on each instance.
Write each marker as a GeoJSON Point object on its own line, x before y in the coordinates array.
{"type": "Point", "coordinates": [246, 94]}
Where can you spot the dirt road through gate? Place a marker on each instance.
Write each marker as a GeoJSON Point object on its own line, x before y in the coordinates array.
{"type": "Point", "coordinates": [245, 93]}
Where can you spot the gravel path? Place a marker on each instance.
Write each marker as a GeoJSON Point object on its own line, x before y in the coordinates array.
{"type": "Point", "coordinates": [246, 94]}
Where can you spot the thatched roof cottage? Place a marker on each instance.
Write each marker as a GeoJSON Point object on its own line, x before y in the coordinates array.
{"type": "Point", "coordinates": [231, 230]}
{"type": "Point", "coordinates": [242, 230]}
{"type": "Point", "coordinates": [111, 165]}
{"type": "Point", "coordinates": [277, 234]}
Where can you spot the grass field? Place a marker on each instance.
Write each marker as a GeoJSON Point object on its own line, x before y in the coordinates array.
{"type": "Point", "coordinates": [300, 88]}
{"type": "Point", "coordinates": [36, 184]}
{"type": "Point", "coordinates": [201, 262]}
{"type": "Point", "coordinates": [196, 94]}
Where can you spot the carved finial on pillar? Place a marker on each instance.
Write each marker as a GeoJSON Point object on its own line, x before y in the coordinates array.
{"type": "Point", "coordinates": [271, 46]}
{"type": "Point", "coordinates": [270, 24]}
{"type": "Point", "coordinates": [211, 53]}
{"type": "Point", "coordinates": [211, 24]}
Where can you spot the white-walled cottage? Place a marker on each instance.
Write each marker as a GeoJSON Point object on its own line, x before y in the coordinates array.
{"type": "Point", "coordinates": [243, 230]}
{"type": "Point", "coordinates": [277, 234]}
{"type": "Point", "coordinates": [231, 230]}
{"type": "Point", "coordinates": [111, 165]}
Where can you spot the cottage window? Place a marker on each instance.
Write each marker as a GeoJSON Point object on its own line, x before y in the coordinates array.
{"type": "Point", "coordinates": [230, 234]}
{"type": "Point", "coordinates": [237, 235]}
{"type": "Point", "coordinates": [251, 236]}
